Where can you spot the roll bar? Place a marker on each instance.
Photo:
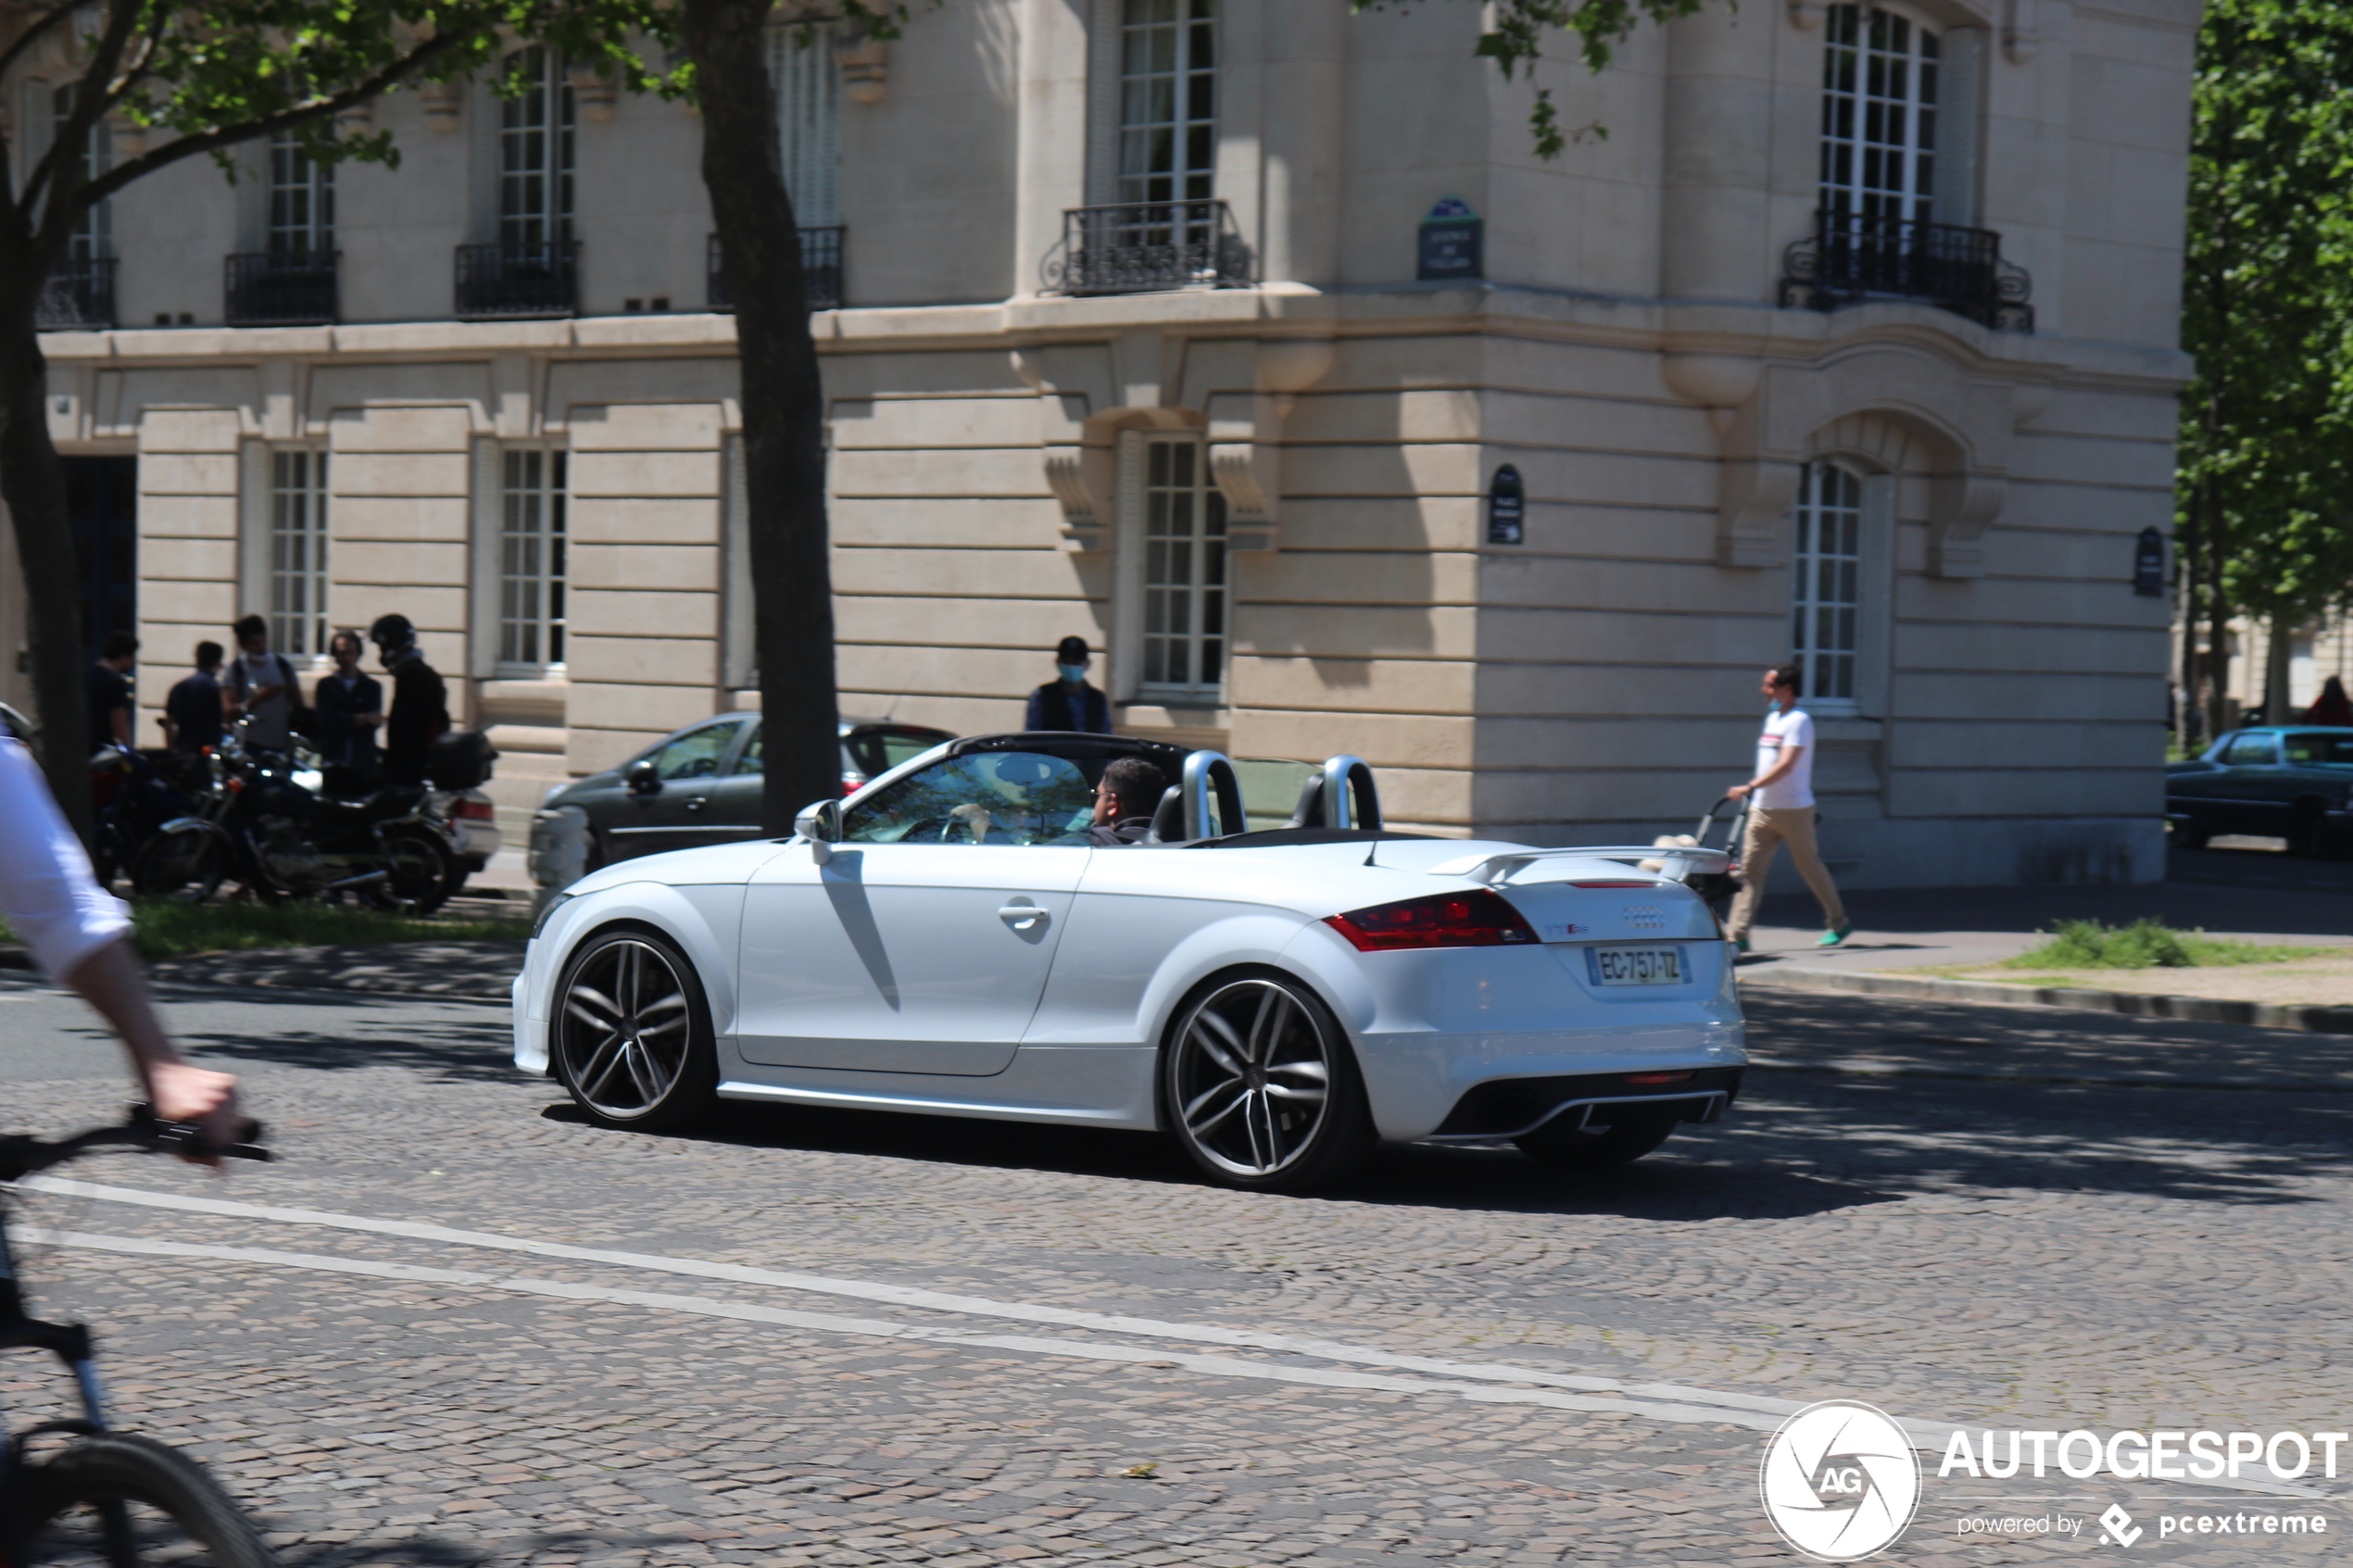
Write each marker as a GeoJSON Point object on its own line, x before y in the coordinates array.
{"type": "Point", "coordinates": [1338, 795]}
{"type": "Point", "coordinates": [1210, 779]}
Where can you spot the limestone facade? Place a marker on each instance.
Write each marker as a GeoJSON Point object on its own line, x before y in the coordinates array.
{"type": "Point", "coordinates": [1007, 458]}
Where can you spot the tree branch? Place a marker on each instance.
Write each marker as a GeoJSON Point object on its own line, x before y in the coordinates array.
{"type": "Point", "coordinates": [72, 139]}
{"type": "Point", "coordinates": [33, 35]}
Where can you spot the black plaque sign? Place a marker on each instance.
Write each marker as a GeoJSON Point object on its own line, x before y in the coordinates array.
{"type": "Point", "coordinates": [1506, 508]}
{"type": "Point", "coordinates": [1453, 242]}
{"type": "Point", "coordinates": [2149, 565]}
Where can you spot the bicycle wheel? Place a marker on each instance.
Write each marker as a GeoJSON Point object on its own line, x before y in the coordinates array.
{"type": "Point", "coordinates": [120, 1500]}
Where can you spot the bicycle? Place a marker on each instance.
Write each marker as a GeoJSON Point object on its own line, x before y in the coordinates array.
{"type": "Point", "coordinates": [107, 1499]}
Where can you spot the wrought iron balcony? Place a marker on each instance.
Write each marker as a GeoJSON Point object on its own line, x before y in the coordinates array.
{"type": "Point", "coordinates": [275, 289]}
{"type": "Point", "coordinates": [820, 269]}
{"type": "Point", "coordinates": [1136, 248]}
{"type": "Point", "coordinates": [79, 294]}
{"type": "Point", "coordinates": [519, 280]}
{"type": "Point", "coordinates": [1850, 257]}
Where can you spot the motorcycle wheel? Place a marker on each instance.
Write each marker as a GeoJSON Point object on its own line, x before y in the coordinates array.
{"type": "Point", "coordinates": [417, 870]}
{"type": "Point", "coordinates": [185, 867]}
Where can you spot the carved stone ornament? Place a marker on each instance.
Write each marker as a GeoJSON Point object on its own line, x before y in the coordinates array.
{"type": "Point", "coordinates": [443, 103]}
{"type": "Point", "coordinates": [866, 67]}
{"type": "Point", "coordinates": [594, 91]}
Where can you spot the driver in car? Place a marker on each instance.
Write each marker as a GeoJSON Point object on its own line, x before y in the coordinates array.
{"type": "Point", "coordinates": [1125, 801]}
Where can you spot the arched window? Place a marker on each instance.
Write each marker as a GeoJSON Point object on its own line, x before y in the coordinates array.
{"type": "Point", "coordinates": [1827, 582]}
{"type": "Point", "coordinates": [1878, 116]}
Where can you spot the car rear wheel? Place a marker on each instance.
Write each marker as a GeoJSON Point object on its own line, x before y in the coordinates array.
{"type": "Point", "coordinates": [633, 1043]}
{"type": "Point", "coordinates": [2307, 829]}
{"type": "Point", "coordinates": [1594, 1149]}
{"type": "Point", "coordinates": [1261, 1088]}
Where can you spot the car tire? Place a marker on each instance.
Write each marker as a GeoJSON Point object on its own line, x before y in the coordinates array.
{"type": "Point", "coordinates": [630, 1038]}
{"type": "Point", "coordinates": [1594, 1149]}
{"type": "Point", "coordinates": [1259, 1085]}
{"type": "Point", "coordinates": [2307, 829]}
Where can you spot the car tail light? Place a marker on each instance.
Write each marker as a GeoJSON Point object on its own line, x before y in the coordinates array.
{"type": "Point", "coordinates": [852, 783]}
{"type": "Point", "coordinates": [475, 811]}
{"type": "Point", "coordinates": [1448, 920]}
{"type": "Point", "coordinates": [1658, 1077]}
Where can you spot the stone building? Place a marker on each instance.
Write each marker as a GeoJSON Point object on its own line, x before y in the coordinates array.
{"type": "Point", "coordinates": [1251, 340]}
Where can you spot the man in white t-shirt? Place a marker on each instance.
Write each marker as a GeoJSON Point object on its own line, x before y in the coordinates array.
{"type": "Point", "coordinates": [1783, 813]}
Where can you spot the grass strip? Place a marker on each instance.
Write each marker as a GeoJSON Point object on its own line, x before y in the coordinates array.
{"type": "Point", "coordinates": [163, 929]}
{"type": "Point", "coordinates": [2148, 943]}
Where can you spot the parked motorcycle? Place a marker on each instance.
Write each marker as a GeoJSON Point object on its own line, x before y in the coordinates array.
{"type": "Point", "coordinates": [136, 793]}
{"type": "Point", "coordinates": [262, 828]}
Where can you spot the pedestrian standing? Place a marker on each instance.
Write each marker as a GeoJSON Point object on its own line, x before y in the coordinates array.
{"type": "Point", "coordinates": [107, 685]}
{"type": "Point", "coordinates": [1069, 703]}
{"type": "Point", "coordinates": [2331, 707]}
{"type": "Point", "coordinates": [419, 702]}
{"type": "Point", "coordinates": [1782, 812]}
{"type": "Point", "coordinates": [260, 688]}
{"type": "Point", "coordinates": [351, 709]}
{"type": "Point", "coordinates": [192, 711]}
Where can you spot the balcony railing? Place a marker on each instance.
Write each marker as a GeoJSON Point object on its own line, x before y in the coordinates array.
{"type": "Point", "coordinates": [1850, 256]}
{"type": "Point", "coordinates": [80, 293]}
{"type": "Point", "coordinates": [820, 270]}
{"type": "Point", "coordinates": [271, 289]}
{"type": "Point", "coordinates": [1139, 246]}
{"type": "Point", "coordinates": [519, 280]}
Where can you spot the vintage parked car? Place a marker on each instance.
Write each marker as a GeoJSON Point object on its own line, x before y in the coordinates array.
{"type": "Point", "coordinates": [946, 940]}
{"type": "Point", "coordinates": [2292, 780]}
{"type": "Point", "coordinates": [702, 785]}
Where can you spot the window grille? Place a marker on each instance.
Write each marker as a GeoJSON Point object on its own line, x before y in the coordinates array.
{"type": "Point", "coordinates": [1168, 101]}
{"type": "Point", "coordinates": [535, 153]}
{"type": "Point", "coordinates": [302, 200]}
{"type": "Point", "coordinates": [1826, 577]}
{"type": "Point", "coordinates": [530, 560]}
{"type": "Point", "coordinates": [800, 62]}
{"type": "Point", "coordinates": [1183, 575]}
{"type": "Point", "coordinates": [1879, 116]}
{"type": "Point", "coordinates": [299, 552]}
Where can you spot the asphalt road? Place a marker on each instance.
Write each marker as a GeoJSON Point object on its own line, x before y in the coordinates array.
{"type": "Point", "coordinates": [851, 1339]}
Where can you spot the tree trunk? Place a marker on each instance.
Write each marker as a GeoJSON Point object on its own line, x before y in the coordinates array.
{"type": "Point", "coordinates": [2278, 647]}
{"type": "Point", "coordinates": [2218, 642]}
{"type": "Point", "coordinates": [784, 405]}
{"type": "Point", "coordinates": [2188, 712]}
{"type": "Point", "coordinates": [33, 483]}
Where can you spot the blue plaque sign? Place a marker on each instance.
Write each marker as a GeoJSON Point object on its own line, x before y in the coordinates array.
{"type": "Point", "coordinates": [2149, 565]}
{"type": "Point", "coordinates": [1506, 508]}
{"type": "Point", "coordinates": [1453, 242]}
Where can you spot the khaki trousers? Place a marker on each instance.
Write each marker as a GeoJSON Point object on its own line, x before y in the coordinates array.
{"type": "Point", "coordinates": [1766, 832]}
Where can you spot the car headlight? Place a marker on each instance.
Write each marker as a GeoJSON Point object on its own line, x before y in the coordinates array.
{"type": "Point", "coordinates": [548, 911]}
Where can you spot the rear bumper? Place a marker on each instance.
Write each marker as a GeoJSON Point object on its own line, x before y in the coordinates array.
{"type": "Point", "coordinates": [1505, 1108]}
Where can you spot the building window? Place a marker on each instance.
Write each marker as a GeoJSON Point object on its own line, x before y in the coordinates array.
{"type": "Point", "coordinates": [1168, 101]}
{"type": "Point", "coordinates": [1183, 538]}
{"type": "Point", "coordinates": [531, 560]}
{"type": "Point", "coordinates": [92, 235]}
{"type": "Point", "coordinates": [1879, 116]}
{"type": "Point", "coordinates": [535, 151]}
{"type": "Point", "coordinates": [299, 552]}
{"type": "Point", "coordinates": [302, 200]}
{"type": "Point", "coordinates": [1826, 582]}
{"type": "Point", "coordinates": [800, 62]}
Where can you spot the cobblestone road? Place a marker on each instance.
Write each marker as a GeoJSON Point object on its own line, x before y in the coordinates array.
{"type": "Point", "coordinates": [2002, 1218]}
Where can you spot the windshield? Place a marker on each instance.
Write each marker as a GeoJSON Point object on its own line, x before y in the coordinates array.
{"type": "Point", "coordinates": [989, 797]}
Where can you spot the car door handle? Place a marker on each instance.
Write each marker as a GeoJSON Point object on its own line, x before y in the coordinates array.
{"type": "Point", "coordinates": [1021, 917]}
{"type": "Point", "coordinates": [696, 804]}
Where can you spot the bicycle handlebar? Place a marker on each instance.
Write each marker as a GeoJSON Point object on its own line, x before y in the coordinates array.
{"type": "Point", "coordinates": [21, 1155]}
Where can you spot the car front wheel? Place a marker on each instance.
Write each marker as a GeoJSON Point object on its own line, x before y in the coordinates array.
{"type": "Point", "coordinates": [633, 1043]}
{"type": "Point", "coordinates": [1261, 1088]}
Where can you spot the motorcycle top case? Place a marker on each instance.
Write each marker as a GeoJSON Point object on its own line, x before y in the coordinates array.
{"type": "Point", "coordinates": [460, 759]}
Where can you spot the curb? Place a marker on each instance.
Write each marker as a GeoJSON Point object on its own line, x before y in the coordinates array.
{"type": "Point", "coordinates": [2319, 1020]}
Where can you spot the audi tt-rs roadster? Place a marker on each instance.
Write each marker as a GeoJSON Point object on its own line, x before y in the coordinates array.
{"type": "Point", "coordinates": [1277, 992]}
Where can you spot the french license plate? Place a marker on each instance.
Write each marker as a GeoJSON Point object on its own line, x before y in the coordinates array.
{"type": "Point", "coordinates": [1635, 966]}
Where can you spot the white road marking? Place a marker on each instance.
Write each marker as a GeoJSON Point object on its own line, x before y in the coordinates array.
{"type": "Point", "coordinates": [1660, 1402]}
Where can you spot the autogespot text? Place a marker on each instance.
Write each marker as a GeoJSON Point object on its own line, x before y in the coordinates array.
{"type": "Point", "coordinates": [2146, 1456]}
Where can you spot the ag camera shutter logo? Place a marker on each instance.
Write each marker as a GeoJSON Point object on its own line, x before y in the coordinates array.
{"type": "Point", "coordinates": [1840, 1480]}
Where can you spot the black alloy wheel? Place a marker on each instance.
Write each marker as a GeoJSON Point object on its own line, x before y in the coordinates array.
{"type": "Point", "coordinates": [1260, 1085]}
{"type": "Point", "coordinates": [632, 1032]}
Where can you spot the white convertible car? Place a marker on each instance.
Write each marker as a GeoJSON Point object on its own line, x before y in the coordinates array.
{"type": "Point", "coordinates": [946, 940]}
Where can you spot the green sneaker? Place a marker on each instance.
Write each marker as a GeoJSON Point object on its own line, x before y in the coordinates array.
{"type": "Point", "coordinates": [1740, 944]}
{"type": "Point", "coordinates": [1836, 934]}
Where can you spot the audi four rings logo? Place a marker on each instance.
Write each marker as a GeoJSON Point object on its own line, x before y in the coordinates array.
{"type": "Point", "coordinates": [1840, 1480]}
{"type": "Point", "coordinates": [1645, 916]}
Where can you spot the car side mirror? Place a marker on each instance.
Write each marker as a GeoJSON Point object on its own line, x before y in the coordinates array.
{"type": "Point", "coordinates": [820, 823]}
{"type": "Point", "coordinates": [640, 778]}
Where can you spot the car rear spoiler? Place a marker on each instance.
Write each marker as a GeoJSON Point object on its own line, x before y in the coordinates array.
{"type": "Point", "coordinates": [1682, 860]}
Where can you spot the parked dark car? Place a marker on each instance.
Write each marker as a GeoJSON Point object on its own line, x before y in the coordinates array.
{"type": "Point", "coordinates": [2291, 781]}
{"type": "Point", "coordinates": [702, 784]}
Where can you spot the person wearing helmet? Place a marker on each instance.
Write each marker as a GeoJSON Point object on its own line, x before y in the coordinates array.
{"type": "Point", "coordinates": [419, 702]}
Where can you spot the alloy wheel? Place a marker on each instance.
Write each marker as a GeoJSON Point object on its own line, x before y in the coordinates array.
{"type": "Point", "coordinates": [1251, 1082]}
{"type": "Point", "coordinates": [624, 1029]}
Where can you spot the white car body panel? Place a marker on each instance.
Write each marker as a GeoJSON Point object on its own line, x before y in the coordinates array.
{"type": "Point", "coordinates": [887, 978]}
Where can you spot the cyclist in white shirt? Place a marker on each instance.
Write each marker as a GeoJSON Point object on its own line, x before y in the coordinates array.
{"type": "Point", "coordinates": [1783, 813]}
{"type": "Point", "coordinates": [80, 936]}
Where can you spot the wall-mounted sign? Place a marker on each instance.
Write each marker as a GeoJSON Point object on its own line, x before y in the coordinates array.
{"type": "Point", "coordinates": [1453, 242]}
{"type": "Point", "coordinates": [2149, 565]}
{"type": "Point", "coordinates": [1506, 522]}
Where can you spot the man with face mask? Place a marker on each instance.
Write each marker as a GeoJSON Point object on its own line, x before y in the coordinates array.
{"type": "Point", "coordinates": [1070, 702]}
